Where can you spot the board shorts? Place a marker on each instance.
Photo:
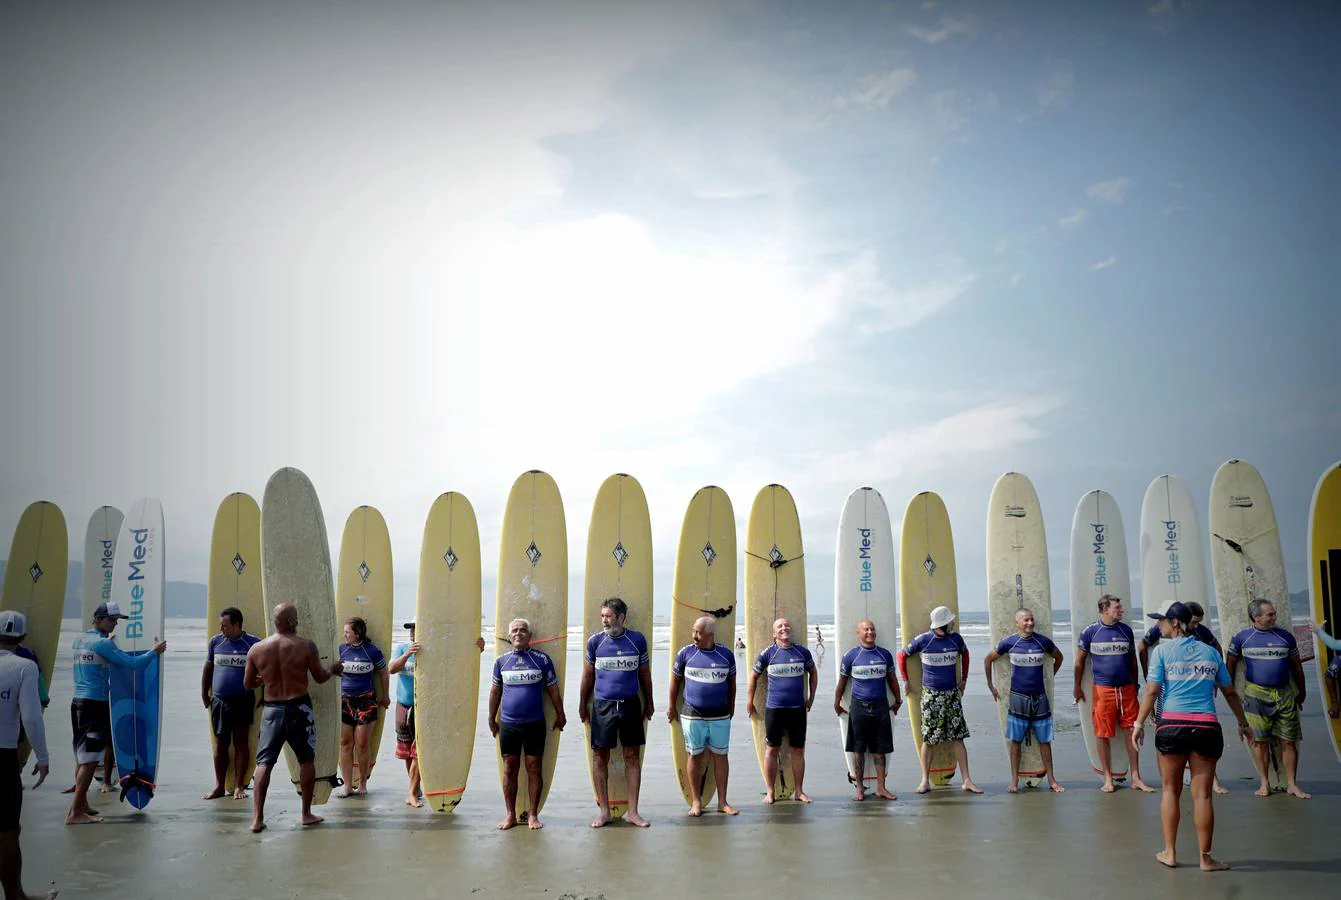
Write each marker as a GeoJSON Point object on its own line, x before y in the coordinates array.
{"type": "Point", "coordinates": [1273, 713]}
{"type": "Point", "coordinates": [227, 714]}
{"type": "Point", "coordinates": [358, 709]}
{"type": "Point", "coordinates": [1113, 708]}
{"type": "Point", "coordinates": [289, 722]}
{"type": "Point", "coordinates": [1183, 734]}
{"type": "Point", "coordinates": [522, 738]}
{"type": "Point", "coordinates": [91, 723]}
{"type": "Point", "coordinates": [789, 721]}
{"type": "Point", "coordinates": [706, 734]}
{"type": "Point", "coordinates": [617, 723]}
{"type": "Point", "coordinates": [942, 716]}
{"type": "Point", "coordinates": [1029, 713]}
{"type": "Point", "coordinates": [405, 746]}
{"type": "Point", "coordinates": [868, 728]}
{"type": "Point", "coordinates": [11, 790]}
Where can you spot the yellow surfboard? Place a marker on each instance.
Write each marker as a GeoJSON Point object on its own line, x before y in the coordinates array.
{"type": "Point", "coordinates": [235, 580]}
{"type": "Point", "coordinates": [705, 585]}
{"type": "Point", "coordinates": [533, 585]}
{"type": "Point", "coordinates": [619, 564]}
{"type": "Point", "coordinates": [1324, 542]}
{"type": "Point", "coordinates": [35, 584]}
{"type": "Point", "coordinates": [447, 667]}
{"type": "Point", "coordinates": [363, 586]}
{"type": "Point", "coordinates": [926, 581]}
{"type": "Point", "coordinates": [775, 587]}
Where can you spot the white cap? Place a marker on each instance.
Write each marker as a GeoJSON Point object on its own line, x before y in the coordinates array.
{"type": "Point", "coordinates": [941, 616]}
{"type": "Point", "coordinates": [13, 624]}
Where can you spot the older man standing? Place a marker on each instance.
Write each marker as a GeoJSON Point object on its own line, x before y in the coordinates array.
{"type": "Point", "coordinates": [785, 665]}
{"type": "Point", "coordinates": [945, 667]}
{"type": "Point", "coordinates": [20, 706]}
{"type": "Point", "coordinates": [521, 679]}
{"type": "Point", "coordinates": [1029, 710]}
{"type": "Point", "coordinates": [871, 669]}
{"type": "Point", "coordinates": [1115, 703]}
{"type": "Point", "coordinates": [1270, 699]}
{"type": "Point", "coordinates": [708, 673]}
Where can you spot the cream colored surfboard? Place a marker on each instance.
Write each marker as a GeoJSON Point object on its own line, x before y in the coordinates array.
{"type": "Point", "coordinates": [705, 585]}
{"type": "Point", "coordinates": [35, 576]}
{"type": "Point", "coordinates": [296, 569]}
{"type": "Point", "coordinates": [99, 554]}
{"type": "Point", "coordinates": [447, 667]}
{"type": "Point", "coordinates": [533, 585]}
{"type": "Point", "coordinates": [363, 588]}
{"type": "Point", "coordinates": [235, 580]}
{"type": "Point", "coordinates": [1246, 562]}
{"type": "Point", "coordinates": [1017, 578]}
{"type": "Point", "coordinates": [926, 580]}
{"type": "Point", "coordinates": [1324, 565]}
{"type": "Point", "coordinates": [775, 587]}
{"type": "Point", "coordinates": [619, 564]}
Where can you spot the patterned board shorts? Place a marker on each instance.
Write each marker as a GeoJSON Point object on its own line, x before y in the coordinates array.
{"type": "Point", "coordinates": [1272, 712]}
{"type": "Point", "coordinates": [942, 717]}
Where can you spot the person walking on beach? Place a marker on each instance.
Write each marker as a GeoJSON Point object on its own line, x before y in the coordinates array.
{"type": "Point", "coordinates": [1273, 693]}
{"type": "Point", "coordinates": [786, 666]}
{"type": "Point", "coordinates": [1112, 645]}
{"type": "Point", "coordinates": [871, 669]}
{"type": "Point", "coordinates": [945, 668]}
{"type": "Point", "coordinates": [1029, 710]}
{"type": "Point", "coordinates": [363, 694]}
{"type": "Point", "coordinates": [95, 654]}
{"type": "Point", "coordinates": [1184, 674]}
{"type": "Point", "coordinates": [232, 707]}
{"type": "Point", "coordinates": [281, 664]}
{"type": "Point", "coordinates": [20, 709]}
{"type": "Point", "coordinates": [521, 678]}
{"type": "Point", "coordinates": [616, 667]}
{"type": "Point", "coordinates": [708, 673]}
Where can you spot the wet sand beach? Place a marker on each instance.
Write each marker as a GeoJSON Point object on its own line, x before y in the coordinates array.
{"type": "Point", "coordinates": [1078, 844]}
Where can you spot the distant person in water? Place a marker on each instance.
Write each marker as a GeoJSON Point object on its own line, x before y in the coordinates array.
{"type": "Point", "coordinates": [281, 664]}
{"type": "Point", "coordinates": [521, 679]}
{"type": "Point", "coordinates": [1030, 711]}
{"type": "Point", "coordinates": [707, 673]}
{"type": "Point", "coordinates": [791, 679]}
{"type": "Point", "coordinates": [945, 668]}
{"type": "Point", "coordinates": [232, 707]}
{"type": "Point", "coordinates": [874, 677]}
{"type": "Point", "coordinates": [363, 694]}
{"type": "Point", "coordinates": [1110, 647]}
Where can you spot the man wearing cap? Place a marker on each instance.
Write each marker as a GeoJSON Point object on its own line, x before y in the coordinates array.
{"type": "Point", "coordinates": [95, 655]}
{"type": "Point", "coordinates": [945, 666]}
{"type": "Point", "coordinates": [232, 707]}
{"type": "Point", "coordinates": [1110, 645]}
{"type": "Point", "coordinates": [20, 707]}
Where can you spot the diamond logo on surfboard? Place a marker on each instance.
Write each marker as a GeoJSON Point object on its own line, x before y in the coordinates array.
{"type": "Point", "coordinates": [364, 571]}
{"type": "Point", "coordinates": [930, 565]}
{"type": "Point", "coordinates": [451, 559]}
{"type": "Point", "coordinates": [238, 563]}
{"type": "Point", "coordinates": [35, 573]}
{"type": "Point", "coordinates": [776, 556]}
{"type": "Point", "coordinates": [533, 553]}
{"type": "Point", "coordinates": [620, 554]}
{"type": "Point", "coordinates": [709, 554]}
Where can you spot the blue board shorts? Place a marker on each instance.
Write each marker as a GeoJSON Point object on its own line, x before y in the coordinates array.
{"type": "Point", "coordinates": [707, 734]}
{"type": "Point", "coordinates": [1029, 712]}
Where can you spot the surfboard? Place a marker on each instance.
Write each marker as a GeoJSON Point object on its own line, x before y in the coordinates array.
{"type": "Point", "coordinates": [1173, 558]}
{"type": "Point", "coordinates": [34, 585]}
{"type": "Point", "coordinates": [1246, 563]}
{"type": "Point", "coordinates": [775, 588]}
{"type": "Point", "coordinates": [235, 580]}
{"type": "Point", "coordinates": [296, 569]}
{"type": "Point", "coordinates": [99, 554]}
{"type": "Point", "coordinates": [863, 589]}
{"type": "Point", "coordinates": [1324, 565]}
{"type": "Point", "coordinates": [1098, 566]}
{"type": "Point", "coordinates": [533, 585]}
{"type": "Point", "coordinates": [137, 697]}
{"type": "Point", "coordinates": [1017, 578]}
{"type": "Point", "coordinates": [447, 668]}
{"type": "Point", "coordinates": [926, 580]}
{"type": "Point", "coordinates": [363, 588]}
{"type": "Point", "coordinates": [619, 564]}
{"type": "Point", "coordinates": [705, 585]}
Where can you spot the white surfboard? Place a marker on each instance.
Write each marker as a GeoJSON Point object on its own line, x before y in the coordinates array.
{"type": "Point", "coordinates": [99, 554]}
{"type": "Point", "coordinates": [863, 589]}
{"type": "Point", "coordinates": [1098, 566]}
{"type": "Point", "coordinates": [1173, 557]}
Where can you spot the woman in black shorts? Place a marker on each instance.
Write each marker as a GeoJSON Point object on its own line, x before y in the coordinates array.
{"type": "Point", "coordinates": [363, 692]}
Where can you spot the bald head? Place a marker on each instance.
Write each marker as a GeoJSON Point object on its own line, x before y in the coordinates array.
{"type": "Point", "coordinates": [285, 618]}
{"type": "Point", "coordinates": [704, 633]}
{"type": "Point", "coordinates": [866, 633]}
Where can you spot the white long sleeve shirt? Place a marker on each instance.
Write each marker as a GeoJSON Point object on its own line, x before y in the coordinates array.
{"type": "Point", "coordinates": [19, 704]}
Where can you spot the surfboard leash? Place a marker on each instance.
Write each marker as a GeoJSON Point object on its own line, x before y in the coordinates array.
{"type": "Point", "coordinates": [135, 779]}
{"type": "Point", "coordinates": [777, 563]}
{"type": "Point", "coordinates": [715, 613]}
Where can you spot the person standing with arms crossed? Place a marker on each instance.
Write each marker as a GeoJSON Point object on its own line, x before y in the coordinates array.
{"type": "Point", "coordinates": [20, 708]}
{"type": "Point", "coordinates": [786, 666]}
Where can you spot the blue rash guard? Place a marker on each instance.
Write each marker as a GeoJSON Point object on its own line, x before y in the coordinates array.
{"type": "Point", "coordinates": [1027, 656]}
{"type": "Point", "coordinates": [869, 671]}
{"type": "Point", "coordinates": [404, 680]}
{"type": "Point", "coordinates": [708, 676]}
{"type": "Point", "coordinates": [1112, 649]}
{"type": "Point", "coordinates": [1188, 672]}
{"type": "Point", "coordinates": [361, 661]}
{"type": "Point", "coordinates": [523, 675]}
{"type": "Point", "coordinates": [617, 661]}
{"type": "Point", "coordinates": [1267, 655]}
{"type": "Point", "coordinates": [94, 656]}
{"type": "Point", "coordinates": [230, 662]}
{"type": "Point", "coordinates": [786, 668]}
{"type": "Point", "coordinates": [940, 659]}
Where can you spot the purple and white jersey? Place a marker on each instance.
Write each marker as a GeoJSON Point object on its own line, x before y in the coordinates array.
{"type": "Point", "coordinates": [708, 676]}
{"type": "Point", "coordinates": [617, 661]}
{"type": "Point", "coordinates": [1027, 656]}
{"type": "Point", "coordinates": [1112, 648]}
{"type": "Point", "coordinates": [361, 661]}
{"type": "Point", "coordinates": [869, 671]}
{"type": "Point", "coordinates": [1266, 654]}
{"type": "Point", "coordinates": [230, 661]}
{"type": "Point", "coordinates": [523, 676]}
{"type": "Point", "coordinates": [786, 668]}
{"type": "Point", "coordinates": [940, 658]}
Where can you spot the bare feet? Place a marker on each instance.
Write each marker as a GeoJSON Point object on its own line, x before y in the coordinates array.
{"type": "Point", "coordinates": [1139, 785]}
{"type": "Point", "coordinates": [534, 823]}
{"type": "Point", "coordinates": [310, 819]}
{"type": "Point", "coordinates": [769, 798]}
{"type": "Point", "coordinates": [1219, 788]}
{"type": "Point", "coordinates": [860, 795]}
{"type": "Point", "coordinates": [508, 822]}
{"type": "Point", "coordinates": [1295, 790]}
{"type": "Point", "coordinates": [361, 792]}
{"type": "Point", "coordinates": [884, 794]}
{"type": "Point", "coordinates": [923, 787]}
{"type": "Point", "coordinates": [239, 793]}
{"type": "Point", "coordinates": [601, 821]}
{"type": "Point", "coordinates": [1263, 791]}
{"type": "Point", "coordinates": [727, 809]}
{"type": "Point", "coordinates": [69, 790]}
{"type": "Point", "coordinates": [214, 794]}
{"type": "Point", "coordinates": [1013, 787]}
{"type": "Point", "coordinates": [344, 794]}
{"type": "Point", "coordinates": [634, 819]}
{"type": "Point", "coordinates": [106, 788]}
{"type": "Point", "coordinates": [696, 810]}
{"type": "Point", "coordinates": [803, 797]}
{"type": "Point", "coordinates": [257, 827]}
{"type": "Point", "coordinates": [1108, 787]}
{"type": "Point", "coordinates": [1211, 864]}
{"type": "Point", "coordinates": [1166, 858]}
{"type": "Point", "coordinates": [1056, 787]}
{"type": "Point", "coordinates": [414, 801]}
{"type": "Point", "coordinates": [88, 818]}
{"type": "Point", "coordinates": [971, 787]}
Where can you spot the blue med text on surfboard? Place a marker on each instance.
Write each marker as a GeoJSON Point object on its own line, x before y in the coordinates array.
{"type": "Point", "coordinates": [135, 622]}
{"type": "Point", "coordinates": [864, 554]}
{"type": "Point", "coordinates": [1100, 556]}
{"type": "Point", "coordinates": [1172, 535]}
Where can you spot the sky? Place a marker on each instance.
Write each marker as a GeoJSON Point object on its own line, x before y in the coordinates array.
{"type": "Point", "coordinates": [411, 248]}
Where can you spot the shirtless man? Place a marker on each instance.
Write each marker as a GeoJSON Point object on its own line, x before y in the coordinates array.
{"type": "Point", "coordinates": [281, 663]}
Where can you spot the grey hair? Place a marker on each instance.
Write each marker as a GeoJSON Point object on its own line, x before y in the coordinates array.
{"type": "Point", "coordinates": [1255, 607]}
{"type": "Point", "coordinates": [708, 622]}
{"type": "Point", "coordinates": [1108, 600]}
{"type": "Point", "coordinates": [1023, 609]}
{"type": "Point", "coordinates": [525, 623]}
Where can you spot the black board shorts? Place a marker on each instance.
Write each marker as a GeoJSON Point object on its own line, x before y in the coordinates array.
{"type": "Point", "coordinates": [289, 722]}
{"type": "Point", "coordinates": [1178, 736]}
{"type": "Point", "coordinates": [785, 721]}
{"type": "Point", "coordinates": [91, 724]}
{"type": "Point", "coordinates": [358, 709]}
{"type": "Point", "coordinates": [11, 790]}
{"type": "Point", "coordinates": [868, 728]}
{"type": "Point", "coordinates": [617, 723]}
{"type": "Point", "coordinates": [227, 714]}
{"type": "Point", "coordinates": [518, 738]}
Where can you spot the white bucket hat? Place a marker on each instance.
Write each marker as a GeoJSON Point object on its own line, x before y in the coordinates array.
{"type": "Point", "coordinates": [941, 616]}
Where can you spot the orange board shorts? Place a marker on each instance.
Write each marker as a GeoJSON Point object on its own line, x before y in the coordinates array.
{"type": "Point", "coordinates": [1114, 708]}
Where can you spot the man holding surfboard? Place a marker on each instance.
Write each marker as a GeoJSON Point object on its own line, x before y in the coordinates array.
{"type": "Point", "coordinates": [945, 667]}
{"type": "Point", "coordinates": [1029, 709]}
{"type": "Point", "coordinates": [785, 665]}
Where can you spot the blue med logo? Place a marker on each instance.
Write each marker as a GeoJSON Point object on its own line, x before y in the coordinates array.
{"type": "Point", "coordinates": [1100, 554]}
{"type": "Point", "coordinates": [138, 557]}
{"type": "Point", "coordinates": [866, 580]}
{"type": "Point", "coordinates": [1172, 535]}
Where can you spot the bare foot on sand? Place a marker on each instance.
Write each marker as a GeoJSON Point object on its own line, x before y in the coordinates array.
{"type": "Point", "coordinates": [106, 788]}
{"type": "Point", "coordinates": [1166, 858]}
{"type": "Point", "coordinates": [508, 822]}
{"type": "Point", "coordinates": [1211, 864]}
{"type": "Point", "coordinates": [239, 793]}
{"type": "Point", "coordinates": [88, 818]}
{"type": "Point", "coordinates": [923, 788]}
{"type": "Point", "coordinates": [214, 794]}
{"type": "Point", "coordinates": [971, 788]}
{"type": "Point", "coordinates": [636, 820]}
{"type": "Point", "coordinates": [1295, 790]}
{"type": "Point", "coordinates": [1108, 787]}
{"type": "Point", "coordinates": [1263, 791]}
{"type": "Point", "coordinates": [257, 827]}
{"type": "Point", "coordinates": [884, 794]}
{"type": "Point", "coordinates": [803, 797]}
{"type": "Point", "coordinates": [69, 790]}
{"type": "Point", "coordinates": [310, 819]}
{"type": "Point", "coordinates": [727, 809]}
{"type": "Point", "coordinates": [1056, 787]}
{"type": "Point", "coordinates": [601, 821]}
{"type": "Point", "coordinates": [344, 794]}
{"type": "Point", "coordinates": [860, 795]}
{"type": "Point", "coordinates": [769, 798]}
{"type": "Point", "coordinates": [1139, 785]}
{"type": "Point", "coordinates": [696, 810]}
{"type": "Point", "coordinates": [415, 802]}
{"type": "Point", "coordinates": [534, 823]}
{"type": "Point", "coordinates": [1219, 788]}
{"type": "Point", "coordinates": [1013, 787]}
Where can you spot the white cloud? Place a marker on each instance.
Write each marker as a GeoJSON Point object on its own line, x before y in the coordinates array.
{"type": "Point", "coordinates": [875, 91]}
{"type": "Point", "coordinates": [1056, 91]}
{"type": "Point", "coordinates": [1072, 220]}
{"type": "Point", "coordinates": [881, 308]}
{"type": "Point", "coordinates": [949, 27]}
{"type": "Point", "coordinates": [1112, 191]}
{"type": "Point", "coordinates": [1104, 264]}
